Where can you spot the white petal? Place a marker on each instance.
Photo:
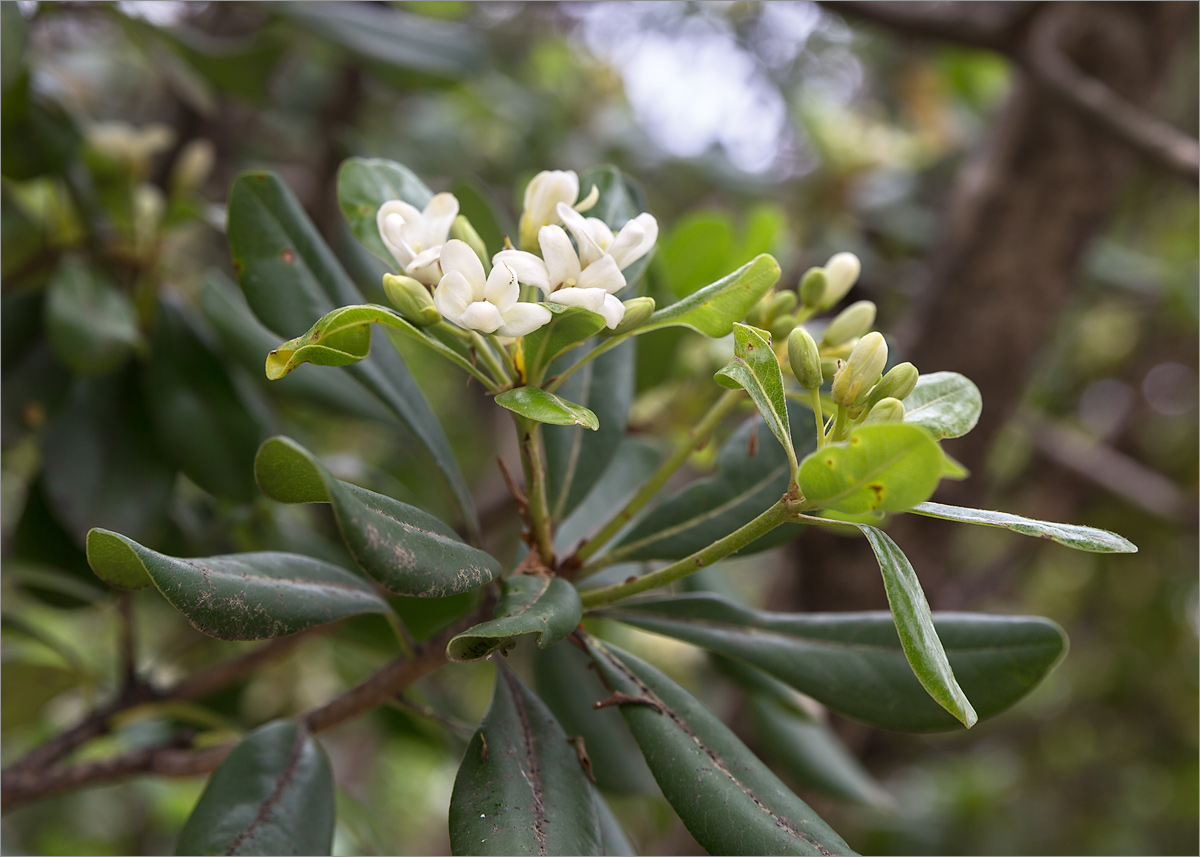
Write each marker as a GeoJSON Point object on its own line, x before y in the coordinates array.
{"type": "Point", "coordinates": [588, 201]}
{"type": "Point", "coordinates": [501, 289]}
{"type": "Point", "coordinates": [529, 268]}
{"type": "Point", "coordinates": [602, 274]}
{"type": "Point", "coordinates": [592, 299]}
{"type": "Point", "coordinates": [613, 311]}
{"type": "Point", "coordinates": [589, 250]}
{"type": "Point", "coordinates": [481, 316]}
{"type": "Point", "coordinates": [424, 267]}
{"type": "Point", "coordinates": [439, 216]}
{"type": "Point", "coordinates": [547, 189]}
{"type": "Point", "coordinates": [453, 295]}
{"type": "Point", "coordinates": [562, 263]}
{"type": "Point", "coordinates": [391, 220]}
{"type": "Point", "coordinates": [635, 240]}
{"type": "Point", "coordinates": [458, 256]}
{"type": "Point", "coordinates": [523, 318]}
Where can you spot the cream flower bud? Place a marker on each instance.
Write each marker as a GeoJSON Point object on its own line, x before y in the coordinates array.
{"type": "Point", "coordinates": [542, 196]}
{"type": "Point", "coordinates": [805, 359]}
{"type": "Point", "coordinates": [900, 380]}
{"type": "Point", "coordinates": [841, 273]}
{"type": "Point", "coordinates": [411, 299]}
{"type": "Point", "coordinates": [853, 321]}
{"type": "Point", "coordinates": [887, 410]}
{"type": "Point", "coordinates": [861, 371]}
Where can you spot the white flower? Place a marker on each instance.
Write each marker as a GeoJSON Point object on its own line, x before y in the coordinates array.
{"type": "Point", "coordinates": [488, 305]}
{"type": "Point", "coordinates": [564, 279]}
{"type": "Point", "coordinates": [543, 194]}
{"type": "Point", "coordinates": [415, 238]}
{"type": "Point", "coordinates": [595, 239]}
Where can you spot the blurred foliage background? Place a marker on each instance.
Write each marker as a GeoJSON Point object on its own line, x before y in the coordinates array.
{"type": "Point", "coordinates": [779, 127]}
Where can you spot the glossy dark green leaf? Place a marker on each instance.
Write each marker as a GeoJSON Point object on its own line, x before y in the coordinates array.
{"type": "Point", "coordinates": [547, 607]}
{"type": "Point", "coordinates": [632, 463]}
{"type": "Point", "coordinates": [1091, 539]}
{"type": "Point", "coordinates": [91, 325]}
{"type": "Point", "coordinates": [542, 407]}
{"type": "Point", "coordinates": [755, 368]}
{"type": "Point", "coordinates": [621, 200]}
{"type": "Point", "coordinates": [291, 278]}
{"type": "Point", "coordinates": [568, 684]}
{"type": "Point", "coordinates": [274, 794]}
{"type": "Point", "coordinates": [241, 67]}
{"type": "Point", "coordinates": [521, 788]}
{"type": "Point", "coordinates": [886, 467]}
{"type": "Point", "coordinates": [364, 185]}
{"type": "Point", "coordinates": [102, 466]}
{"type": "Point", "coordinates": [37, 137]}
{"type": "Point", "coordinates": [34, 383]}
{"type": "Point", "coordinates": [245, 596]}
{"type": "Point", "coordinates": [811, 753]}
{"type": "Point", "coordinates": [613, 839]}
{"type": "Point", "coordinates": [854, 663]}
{"type": "Point", "coordinates": [568, 327]}
{"type": "Point", "coordinates": [407, 550]}
{"type": "Point", "coordinates": [487, 214]}
{"type": "Point", "coordinates": [713, 309]}
{"type": "Point", "coordinates": [576, 458]}
{"type": "Point", "coordinates": [914, 623]}
{"type": "Point", "coordinates": [946, 403]}
{"type": "Point", "coordinates": [200, 420]}
{"type": "Point", "coordinates": [728, 799]}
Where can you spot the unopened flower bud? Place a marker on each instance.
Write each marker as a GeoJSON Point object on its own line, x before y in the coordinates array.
{"type": "Point", "coordinates": [462, 229]}
{"type": "Point", "coordinates": [829, 367]}
{"type": "Point", "coordinates": [805, 359]}
{"type": "Point", "coordinates": [782, 327]}
{"type": "Point", "coordinates": [192, 166]}
{"type": "Point", "coordinates": [852, 322]}
{"type": "Point", "coordinates": [411, 299]}
{"type": "Point", "coordinates": [887, 410]}
{"type": "Point", "coordinates": [812, 287]}
{"type": "Point", "coordinates": [781, 304]}
{"type": "Point", "coordinates": [757, 316]}
{"type": "Point", "coordinates": [896, 384]}
{"type": "Point", "coordinates": [841, 273]}
{"type": "Point", "coordinates": [861, 371]}
{"type": "Point", "coordinates": [637, 311]}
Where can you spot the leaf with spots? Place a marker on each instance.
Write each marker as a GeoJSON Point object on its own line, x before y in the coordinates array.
{"type": "Point", "coordinates": [248, 596]}
{"type": "Point", "coordinates": [1091, 539]}
{"type": "Point", "coordinates": [274, 794]}
{"type": "Point", "coordinates": [406, 549]}
{"type": "Point", "coordinates": [888, 467]}
{"type": "Point", "coordinates": [521, 787]}
{"type": "Point", "coordinates": [726, 797]}
{"type": "Point", "coordinates": [547, 607]}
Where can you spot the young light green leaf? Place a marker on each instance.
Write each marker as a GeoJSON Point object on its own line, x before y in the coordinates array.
{"type": "Point", "coordinates": [542, 407]}
{"type": "Point", "coordinates": [547, 607]}
{"type": "Point", "coordinates": [914, 624]}
{"type": "Point", "coordinates": [1075, 536]}
{"type": "Point", "coordinates": [91, 325]}
{"type": "Point", "coordinates": [755, 368]}
{"type": "Point", "coordinates": [886, 467]}
{"type": "Point", "coordinates": [407, 550]}
{"type": "Point", "coordinates": [713, 309]}
{"type": "Point", "coordinates": [365, 184]}
{"type": "Point", "coordinates": [274, 794]}
{"type": "Point", "coordinates": [568, 326]}
{"type": "Point", "coordinates": [728, 799]}
{"type": "Point", "coordinates": [246, 596]}
{"type": "Point", "coordinates": [946, 403]}
{"type": "Point", "coordinates": [521, 788]}
{"type": "Point", "coordinates": [854, 662]}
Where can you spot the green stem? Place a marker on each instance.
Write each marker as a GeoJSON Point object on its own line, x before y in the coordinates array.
{"type": "Point", "coordinates": [818, 414]}
{"type": "Point", "coordinates": [695, 439]}
{"type": "Point", "coordinates": [530, 433]}
{"type": "Point", "coordinates": [839, 424]}
{"type": "Point", "coordinates": [718, 550]}
{"type": "Point", "coordinates": [604, 347]}
{"type": "Point", "coordinates": [483, 348]}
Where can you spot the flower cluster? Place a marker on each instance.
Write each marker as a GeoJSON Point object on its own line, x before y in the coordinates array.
{"type": "Point", "coordinates": [586, 272]}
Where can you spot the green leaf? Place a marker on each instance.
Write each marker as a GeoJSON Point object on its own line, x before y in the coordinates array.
{"type": "Point", "coordinates": [914, 624]}
{"type": "Point", "coordinates": [567, 683]}
{"type": "Point", "coordinates": [887, 467]}
{"type": "Point", "coordinates": [1075, 536]}
{"type": "Point", "coordinates": [854, 663]}
{"type": "Point", "coordinates": [290, 277]}
{"type": "Point", "coordinates": [407, 550]}
{"type": "Point", "coordinates": [728, 799]}
{"type": "Point", "coordinates": [946, 403]}
{"type": "Point", "coordinates": [101, 464]}
{"type": "Point", "coordinates": [697, 250]}
{"type": "Point", "coordinates": [245, 596]}
{"type": "Point", "coordinates": [199, 418]}
{"type": "Point", "coordinates": [755, 368]}
{"type": "Point", "coordinates": [568, 327]}
{"type": "Point", "coordinates": [812, 754]}
{"type": "Point", "coordinates": [364, 185]}
{"type": "Point", "coordinates": [92, 327]}
{"type": "Point", "coordinates": [521, 788]}
{"type": "Point", "coordinates": [621, 200]}
{"type": "Point", "coordinates": [37, 137]}
{"type": "Point", "coordinates": [547, 607]}
{"type": "Point", "coordinates": [274, 794]}
{"type": "Point", "coordinates": [542, 407]}
{"type": "Point", "coordinates": [613, 839]}
{"type": "Point", "coordinates": [713, 309]}
{"type": "Point", "coordinates": [632, 462]}
{"type": "Point", "coordinates": [577, 458]}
